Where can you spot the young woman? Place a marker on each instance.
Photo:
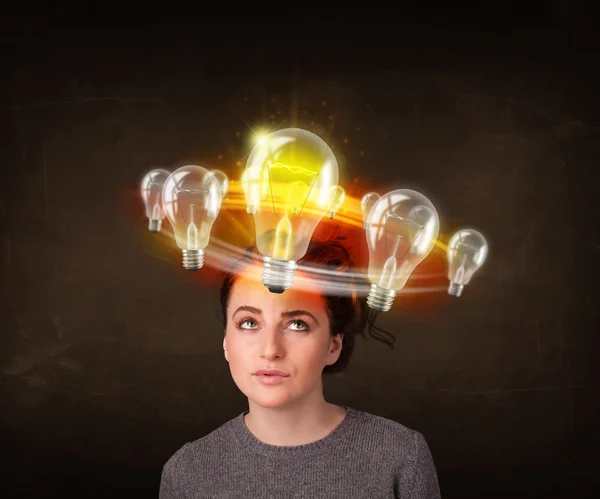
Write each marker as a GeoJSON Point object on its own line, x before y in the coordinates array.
{"type": "Point", "coordinates": [292, 442]}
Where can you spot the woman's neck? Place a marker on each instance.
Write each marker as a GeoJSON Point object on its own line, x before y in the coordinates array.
{"type": "Point", "coordinates": [291, 426]}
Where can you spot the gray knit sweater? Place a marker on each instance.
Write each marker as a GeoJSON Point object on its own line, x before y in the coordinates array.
{"type": "Point", "coordinates": [365, 457]}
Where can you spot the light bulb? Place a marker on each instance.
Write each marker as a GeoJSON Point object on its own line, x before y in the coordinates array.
{"type": "Point", "coordinates": [336, 199]}
{"type": "Point", "coordinates": [366, 203]}
{"type": "Point", "coordinates": [288, 181]}
{"type": "Point", "coordinates": [191, 199]}
{"type": "Point", "coordinates": [223, 180]}
{"type": "Point", "coordinates": [152, 185]}
{"type": "Point", "coordinates": [403, 228]}
{"type": "Point", "coordinates": [467, 250]}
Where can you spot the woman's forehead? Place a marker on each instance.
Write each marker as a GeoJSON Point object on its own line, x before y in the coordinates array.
{"type": "Point", "coordinates": [248, 288]}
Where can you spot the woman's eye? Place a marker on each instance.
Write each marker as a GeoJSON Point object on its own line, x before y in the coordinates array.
{"type": "Point", "coordinates": [300, 325]}
{"type": "Point", "coordinates": [247, 323]}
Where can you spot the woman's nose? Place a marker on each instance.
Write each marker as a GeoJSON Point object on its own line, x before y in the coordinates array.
{"type": "Point", "coordinates": [272, 347]}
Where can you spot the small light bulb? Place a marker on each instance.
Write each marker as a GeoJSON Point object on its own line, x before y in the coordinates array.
{"type": "Point", "coordinates": [467, 250]}
{"type": "Point", "coordinates": [152, 185]}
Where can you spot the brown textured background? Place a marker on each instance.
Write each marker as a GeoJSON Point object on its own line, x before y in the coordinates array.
{"type": "Point", "coordinates": [111, 353]}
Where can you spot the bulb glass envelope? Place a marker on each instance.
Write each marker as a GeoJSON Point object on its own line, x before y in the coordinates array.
{"type": "Point", "coordinates": [288, 182]}
{"type": "Point", "coordinates": [192, 200]}
{"type": "Point", "coordinates": [403, 228]}
{"type": "Point", "coordinates": [223, 180]}
{"type": "Point", "coordinates": [151, 190]}
{"type": "Point", "coordinates": [467, 250]}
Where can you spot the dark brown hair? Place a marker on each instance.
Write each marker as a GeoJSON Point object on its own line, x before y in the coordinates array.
{"type": "Point", "coordinates": [348, 314]}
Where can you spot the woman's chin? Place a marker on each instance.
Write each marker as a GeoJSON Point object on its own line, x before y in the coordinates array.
{"type": "Point", "coordinates": [270, 400]}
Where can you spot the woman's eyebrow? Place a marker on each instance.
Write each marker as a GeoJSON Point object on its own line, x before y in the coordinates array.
{"type": "Point", "coordinates": [248, 308]}
{"type": "Point", "coordinates": [295, 313]}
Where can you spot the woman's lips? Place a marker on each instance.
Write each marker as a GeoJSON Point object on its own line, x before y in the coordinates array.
{"type": "Point", "coordinates": [270, 379]}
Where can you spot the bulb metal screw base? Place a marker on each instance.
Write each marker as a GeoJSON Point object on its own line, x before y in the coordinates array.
{"type": "Point", "coordinates": [455, 289]}
{"type": "Point", "coordinates": [193, 259]}
{"type": "Point", "coordinates": [278, 275]}
{"type": "Point", "coordinates": [380, 299]}
{"type": "Point", "coordinates": [154, 225]}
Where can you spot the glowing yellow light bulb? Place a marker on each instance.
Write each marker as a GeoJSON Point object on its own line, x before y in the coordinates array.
{"type": "Point", "coordinates": [288, 182]}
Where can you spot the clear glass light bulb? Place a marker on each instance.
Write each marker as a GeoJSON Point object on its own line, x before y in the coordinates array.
{"type": "Point", "coordinates": [223, 180]}
{"type": "Point", "coordinates": [336, 198]}
{"type": "Point", "coordinates": [191, 199]}
{"type": "Point", "coordinates": [152, 185]}
{"type": "Point", "coordinates": [403, 229]}
{"type": "Point", "coordinates": [467, 250]}
{"type": "Point", "coordinates": [289, 177]}
{"type": "Point", "coordinates": [366, 203]}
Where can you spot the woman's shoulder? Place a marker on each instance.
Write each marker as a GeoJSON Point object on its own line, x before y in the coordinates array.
{"type": "Point", "coordinates": [400, 451]}
{"type": "Point", "coordinates": [201, 447]}
{"type": "Point", "coordinates": [385, 424]}
{"type": "Point", "coordinates": [195, 465]}
{"type": "Point", "coordinates": [389, 434]}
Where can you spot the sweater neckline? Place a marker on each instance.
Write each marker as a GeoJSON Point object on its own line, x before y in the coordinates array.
{"type": "Point", "coordinates": [327, 443]}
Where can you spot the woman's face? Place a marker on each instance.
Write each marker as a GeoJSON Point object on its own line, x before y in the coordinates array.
{"type": "Point", "coordinates": [288, 332]}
